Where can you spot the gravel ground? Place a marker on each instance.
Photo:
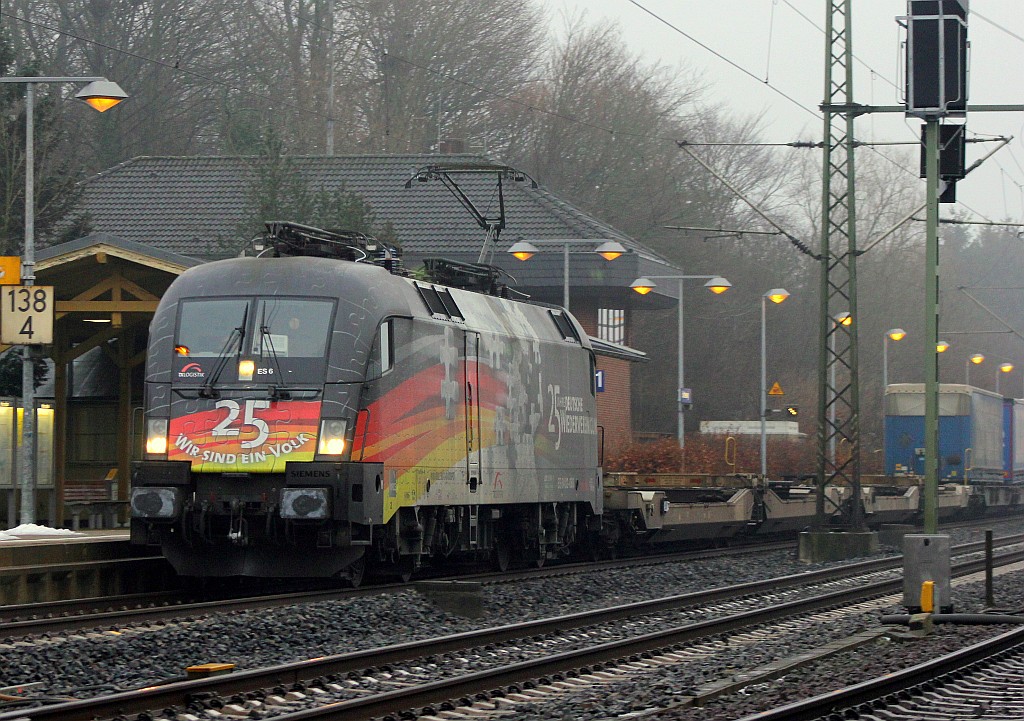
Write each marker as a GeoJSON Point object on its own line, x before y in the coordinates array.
{"type": "Point", "coordinates": [128, 657]}
{"type": "Point", "coordinates": [668, 686]}
{"type": "Point", "coordinates": [662, 693]}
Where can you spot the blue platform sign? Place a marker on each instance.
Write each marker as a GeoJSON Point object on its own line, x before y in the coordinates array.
{"type": "Point", "coordinates": [599, 381]}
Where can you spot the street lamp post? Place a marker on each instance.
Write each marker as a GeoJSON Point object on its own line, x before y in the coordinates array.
{"type": "Point", "coordinates": [775, 295]}
{"type": "Point", "coordinates": [895, 334]}
{"type": "Point", "coordinates": [1003, 368]}
{"type": "Point", "coordinates": [100, 94]}
{"type": "Point", "coordinates": [976, 359]}
{"type": "Point", "coordinates": [526, 249]}
{"type": "Point", "coordinates": [717, 285]}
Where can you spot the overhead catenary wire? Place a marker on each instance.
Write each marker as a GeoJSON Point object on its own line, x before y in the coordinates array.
{"type": "Point", "coordinates": [723, 58]}
{"type": "Point", "coordinates": [780, 92]}
{"type": "Point", "coordinates": [796, 242]}
{"type": "Point", "coordinates": [999, 319]}
{"type": "Point", "coordinates": [575, 120]}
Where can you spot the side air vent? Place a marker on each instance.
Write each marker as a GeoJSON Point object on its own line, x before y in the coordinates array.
{"type": "Point", "coordinates": [565, 326]}
{"type": "Point", "coordinates": [439, 302]}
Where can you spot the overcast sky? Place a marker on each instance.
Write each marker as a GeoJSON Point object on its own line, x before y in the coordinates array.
{"type": "Point", "coordinates": [775, 39]}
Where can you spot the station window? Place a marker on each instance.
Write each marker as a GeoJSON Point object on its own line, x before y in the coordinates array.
{"type": "Point", "coordinates": [93, 434]}
{"type": "Point", "coordinates": [611, 325]}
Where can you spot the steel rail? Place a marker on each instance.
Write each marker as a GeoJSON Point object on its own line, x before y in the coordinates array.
{"type": "Point", "coordinates": [180, 692]}
{"type": "Point", "coordinates": [40, 618]}
{"type": "Point", "coordinates": [470, 684]}
{"type": "Point", "coordinates": [930, 672]}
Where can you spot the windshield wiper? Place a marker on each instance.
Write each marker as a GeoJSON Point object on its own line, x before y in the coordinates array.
{"type": "Point", "coordinates": [266, 341]}
{"type": "Point", "coordinates": [208, 390]}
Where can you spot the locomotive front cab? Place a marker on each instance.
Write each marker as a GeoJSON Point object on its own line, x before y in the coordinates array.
{"type": "Point", "coordinates": [247, 446]}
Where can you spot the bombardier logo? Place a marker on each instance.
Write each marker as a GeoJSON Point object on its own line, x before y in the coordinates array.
{"type": "Point", "coordinates": [192, 370]}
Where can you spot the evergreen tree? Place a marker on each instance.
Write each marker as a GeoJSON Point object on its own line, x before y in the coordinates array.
{"type": "Point", "coordinates": [10, 373]}
{"type": "Point", "coordinates": [280, 191]}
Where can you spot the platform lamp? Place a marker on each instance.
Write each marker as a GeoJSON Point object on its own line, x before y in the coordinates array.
{"type": "Point", "coordinates": [717, 285]}
{"type": "Point", "coordinates": [1003, 368]}
{"type": "Point", "coordinates": [976, 359]}
{"type": "Point", "coordinates": [101, 95]}
{"type": "Point", "coordinates": [941, 347]}
{"type": "Point", "coordinates": [893, 334]}
{"type": "Point", "coordinates": [775, 295]}
{"type": "Point", "coordinates": [526, 249]}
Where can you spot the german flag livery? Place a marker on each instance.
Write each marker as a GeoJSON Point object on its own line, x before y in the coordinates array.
{"type": "Point", "coordinates": [306, 416]}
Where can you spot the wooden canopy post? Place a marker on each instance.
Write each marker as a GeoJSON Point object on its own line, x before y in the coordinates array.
{"type": "Point", "coordinates": [61, 345]}
{"type": "Point", "coordinates": [125, 346]}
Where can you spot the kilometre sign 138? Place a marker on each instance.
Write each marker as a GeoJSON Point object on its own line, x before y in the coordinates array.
{"type": "Point", "coordinates": [26, 314]}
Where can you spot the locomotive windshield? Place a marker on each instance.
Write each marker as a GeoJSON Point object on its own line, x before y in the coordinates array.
{"type": "Point", "coordinates": [277, 341]}
{"type": "Point", "coordinates": [281, 327]}
{"type": "Point", "coordinates": [291, 328]}
{"type": "Point", "coordinates": [207, 325]}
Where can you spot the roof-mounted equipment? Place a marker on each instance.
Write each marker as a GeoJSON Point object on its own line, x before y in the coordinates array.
{"type": "Point", "coordinates": [471, 276]}
{"type": "Point", "coordinates": [492, 223]}
{"type": "Point", "coordinates": [286, 239]}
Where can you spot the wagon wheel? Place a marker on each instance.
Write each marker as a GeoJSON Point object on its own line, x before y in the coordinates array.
{"type": "Point", "coordinates": [356, 571]}
{"type": "Point", "coordinates": [501, 556]}
{"type": "Point", "coordinates": [406, 567]}
{"type": "Point", "coordinates": [538, 557]}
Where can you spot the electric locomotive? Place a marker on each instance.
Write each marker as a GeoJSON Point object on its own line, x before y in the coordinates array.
{"type": "Point", "coordinates": [314, 409]}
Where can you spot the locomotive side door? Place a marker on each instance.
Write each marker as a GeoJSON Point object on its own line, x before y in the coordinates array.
{"type": "Point", "coordinates": [472, 391]}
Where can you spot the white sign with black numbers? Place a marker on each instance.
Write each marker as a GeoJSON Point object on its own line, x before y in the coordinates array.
{"type": "Point", "coordinates": [26, 314]}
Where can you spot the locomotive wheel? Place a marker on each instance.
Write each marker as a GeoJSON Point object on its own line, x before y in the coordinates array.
{"type": "Point", "coordinates": [356, 571]}
{"type": "Point", "coordinates": [406, 567]}
{"type": "Point", "coordinates": [197, 585]}
{"type": "Point", "coordinates": [501, 556]}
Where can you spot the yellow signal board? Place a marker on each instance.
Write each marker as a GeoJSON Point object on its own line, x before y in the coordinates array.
{"type": "Point", "coordinates": [10, 270]}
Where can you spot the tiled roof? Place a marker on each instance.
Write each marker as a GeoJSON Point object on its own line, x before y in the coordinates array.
{"type": "Point", "coordinates": [108, 239]}
{"type": "Point", "coordinates": [193, 205]}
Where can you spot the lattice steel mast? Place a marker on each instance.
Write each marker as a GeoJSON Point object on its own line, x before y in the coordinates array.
{"type": "Point", "coordinates": [838, 397]}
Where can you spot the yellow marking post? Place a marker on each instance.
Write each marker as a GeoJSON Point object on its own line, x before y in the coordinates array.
{"type": "Point", "coordinates": [209, 669]}
{"type": "Point", "coordinates": [927, 596]}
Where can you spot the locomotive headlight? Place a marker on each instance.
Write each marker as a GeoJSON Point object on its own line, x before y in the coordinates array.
{"type": "Point", "coordinates": [245, 370]}
{"type": "Point", "coordinates": [304, 503]}
{"type": "Point", "coordinates": [332, 438]}
{"type": "Point", "coordinates": [149, 502]}
{"type": "Point", "coordinates": [156, 437]}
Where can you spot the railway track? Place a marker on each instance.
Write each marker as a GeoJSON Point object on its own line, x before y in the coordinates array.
{"type": "Point", "coordinates": [63, 616]}
{"type": "Point", "coordinates": [591, 647]}
{"type": "Point", "coordinates": [79, 613]}
{"type": "Point", "coordinates": [981, 681]}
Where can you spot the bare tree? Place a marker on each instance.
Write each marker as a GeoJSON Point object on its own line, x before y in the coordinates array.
{"type": "Point", "coordinates": [429, 69]}
{"type": "Point", "coordinates": [145, 47]}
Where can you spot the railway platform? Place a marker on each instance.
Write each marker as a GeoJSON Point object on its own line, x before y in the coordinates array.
{"type": "Point", "coordinates": [44, 566]}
